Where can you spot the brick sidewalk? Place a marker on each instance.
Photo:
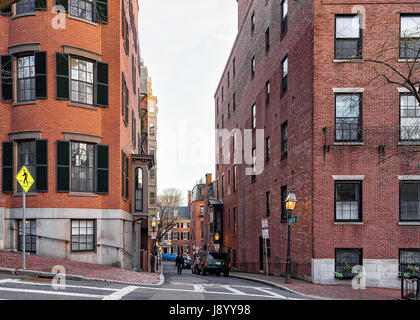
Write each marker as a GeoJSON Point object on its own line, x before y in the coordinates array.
{"type": "Point", "coordinates": [89, 270]}
{"type": "Point", "coordinates": [336, 292]}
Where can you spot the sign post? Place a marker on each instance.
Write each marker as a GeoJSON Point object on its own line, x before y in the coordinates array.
{"type": "Point", "coordinates": [26, 181]}
{"type": "Point", "coordinates": [265, 236]}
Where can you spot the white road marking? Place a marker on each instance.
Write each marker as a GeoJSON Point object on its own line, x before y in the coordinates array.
{"type": "Point", "coordinates": [198, 288]}
{"type": "Point", "coordinates": [230, 288]}
{"type": "Point", "coordinates": [59, 293]}
{"type": "Point", "coordinates": [67, 285]}
{"type": "Point", "coordinates": [6, 280]}
{"type": "Point", "coordinates": [213, 292]}
{"type": "Point", "coordinates": [272, 293]}
{"type": "Point", "coordinates": [120, 293]}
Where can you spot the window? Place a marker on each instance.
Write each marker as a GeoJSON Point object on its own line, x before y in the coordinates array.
{"type": "Point", "coordinates": [228, 108]}
{"type": "Point", "coordinates": [267, 148]}
{"type": "Point", "coordinates": [152, 150]}
{"type": "Point", "coordinates": [174, 249]}
{"type": "Point", "coordinates": [254, 164]}
{"type": "Point", "coordinates": [252, 23]}
{"type": "Point", "coordinates": [345, 258]}
{"type": "Point", "coordinates": [133, 73]}
{"type": "Point", "coordinates": [83, 236]}
{"type": "Point", "coordinates": [408, 257]}
{"type": "Point", "coordinates": [139, 190]}
{"type": "Point", "coordinates": [252, 67]}
{"type": "Point", "coordinates": [267, 39]}
{"type": "Point", "coordinates": [25, 6]}
{"type": "Point", "coordinates": [82, 167]}
{"type": "Point", "coordinates": [348, 196]}
{"type": "Point", "coordinates": [348, 121]}
{"type": "Point", "coordinates": [235, 225]}
{"type": "Point", "coordinates": [409, 117]}
{"type": "Point", "coordinates": [185, 236]}
{"type": "Point", "coordinates": [81, 81]}
{"type": "Point", "coordinates": [284, 8]}
{"type": "Point", "coordinates": [267, 203]}
{"type": "Point", "coordinates": [133, 129]}
{"type": "Point", "coordinates": [348, 37]}
{"type": "Point", "coordinates": [223, 186]}
{"type": "Point", "coordinates": [217, 105]}
{"type": "Point", "coordinates": [284, 138]}
{"type": "Point", "coordinates": [185, 249]}
{"type": "Point", "coordinates": [410, 201]}
{"type": "Point", "coordinates": [26, 78]}
{"type": "Point", "coordinates": [254, 116]}
{"type": "Point", "coordinates": [234, 178]}
{"type": "Point", "coordinates": [229, 178]}
{"type": "Point", "coordinates": [410, 36]}
{"type": "Point", "coordinates": [283, 203]}
{"type": "Point", "coordinates": [152, 174]}
{"type": "Point", "coordinates": [82, 9]}
{"type": "Point", "coordinates": [152, 130]}
{"type": "Point", "coordinates": [234, 101]}
{"type": "Point", "coordinates": [152, 198]}
{"type": "Point", "coordinates": [234, 67]}
{"type": "Point", "coordinates": [223, 121]}
{"type": "Point", "coordinates": [202, 230]}
{"type": "Point", "coordinates": [185, 225]}
{"type": "Point", "coordinates": [151, 106]}
{"type": "Point", "coordinates": [202, 210]}
{"type": "Point", "coordinates": [228, 79]}
{"type": "Point", "coordinates": [284, 70]}
{"type": "Point", "coordinates": [175, 235]}
{"type": "Point", "coordinates": [267, 92]}
{"type": "Point", "coordinates": [26, 157]}
{"type": "Point", "coordinates": [223, 94]}
{"type": "Point", "coordinates": [125, 98]}
{"type": "Point", "coordinates": [30, 238]}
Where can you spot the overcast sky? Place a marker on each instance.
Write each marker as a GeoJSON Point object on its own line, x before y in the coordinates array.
{"type": "Point", "coordinates": [185, 45]}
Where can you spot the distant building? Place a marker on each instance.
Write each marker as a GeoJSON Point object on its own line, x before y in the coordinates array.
{"type": "Point", "coordinates": [178, 239]}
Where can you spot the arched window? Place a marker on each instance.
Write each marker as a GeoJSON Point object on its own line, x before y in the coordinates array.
{"type": "Point", "coordinates": [139, 189]}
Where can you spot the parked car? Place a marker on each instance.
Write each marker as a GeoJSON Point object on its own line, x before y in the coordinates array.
{"type": "Point", "coordinates": [187, 262]}
{"type": "Point", "coordinates": [214, 262]}
{"type": "Point", "coordinates": [195, 265]}
{"type": "Point", "coordinates": [169, 256]}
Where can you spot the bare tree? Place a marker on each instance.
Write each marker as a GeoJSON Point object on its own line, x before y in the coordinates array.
{"type": "Point", "coordinates": [6, 3]}
{"type": "Point", "coordinates": [168, 219]}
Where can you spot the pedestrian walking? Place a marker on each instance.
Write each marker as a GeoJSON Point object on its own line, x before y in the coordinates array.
{"type": "Point", "coordinates": [179, 263]}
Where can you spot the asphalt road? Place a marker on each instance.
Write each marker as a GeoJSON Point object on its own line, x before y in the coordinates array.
{"type": "Point", "coordinates": [183, 287]}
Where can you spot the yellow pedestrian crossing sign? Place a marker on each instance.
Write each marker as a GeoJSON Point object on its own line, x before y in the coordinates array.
{"type": "Point", "coordinates": [25, 179]}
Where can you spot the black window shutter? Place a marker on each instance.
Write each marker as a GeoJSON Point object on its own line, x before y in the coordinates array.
{"type": "Point", "coordinates": [7, 166]}
{"type": "Point", "coordinates": [63, 166]}
{"type": "Point", "coordinates": [123, 93]}
{"type": "Point", "coordinates": [63, 3]}
{"type": "Point", "coordinates": [41, 75]}
{"type": "Point", "coordinates": [7, 78]}
{"type": "Point", "coordinates": [62, 76]}
{"type": "Point", "coordinates": [7, 11]}
{"type": "Point", "coordinates": [102, 11]}
{"type": "Point", "coordinates": [126, 177]}
{"type": "Point", "coordinates": [41, 165]}
{"type": "Point", "coordinates": [102, 169]}
{"type": "Point", "coordinates": [123, 173]}
{"type": "Point", "coordinates": [101, 84]}
{"type": "Point", "coordinates": [127, 94]}
{"type": "Point", "coordinates": [41, 5]}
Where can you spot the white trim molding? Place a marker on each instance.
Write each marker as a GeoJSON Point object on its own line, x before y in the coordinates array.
{"type": "Point", "coordinates": [405, 90]}
{"type": "Point", "coordinates": [409, 177]}
{"type": "Point", "coordinates": [349, 177]}
{"type": "Point", "coordinates": [348, 90]}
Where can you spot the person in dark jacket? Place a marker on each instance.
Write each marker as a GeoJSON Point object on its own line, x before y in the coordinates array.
{"type": "Point", "coordinates": [179, 263]}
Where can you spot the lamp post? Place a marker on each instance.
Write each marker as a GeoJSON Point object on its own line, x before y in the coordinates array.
{"type": "Point", "coordinates": [153, 223]}
{"type": "Point", "coordinates": [290, 207]}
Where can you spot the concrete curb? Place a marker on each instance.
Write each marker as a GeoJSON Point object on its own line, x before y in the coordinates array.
{"type": "Point", "coordinates": [277, 286]}
{"type": "Point", "coordinates": [43, 274]}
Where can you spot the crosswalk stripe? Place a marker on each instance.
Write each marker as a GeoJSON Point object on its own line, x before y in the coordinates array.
{"type": "Point", "coordinates": [272, 293]}
{"type": "Point", "coordinates": [198, 288]}
{"type": "Point", "coordinates": [230, 288]}
{"type": "Point", "coordinates": [120, 293]}
{"type": "Point", "coordinates": [59, 293]}
{"type": "Point", "coordinates": [66, 286]}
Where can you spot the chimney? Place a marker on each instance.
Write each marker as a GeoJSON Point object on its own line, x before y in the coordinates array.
{"type": "Point", "coordinates": [208, 179]}
{"type": "Point", "coordinates": [189, 198]}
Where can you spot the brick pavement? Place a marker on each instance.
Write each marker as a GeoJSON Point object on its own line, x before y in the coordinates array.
{"type": "Point", "coordinates": [37, 263]}
{"type": "Point", "coordinates": [328, 291]}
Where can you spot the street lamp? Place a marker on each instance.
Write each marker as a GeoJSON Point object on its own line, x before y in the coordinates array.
{"type": "Point", "coordinates": [153, 223]}
{"type": "Point", "coordinates": [290, 207]}
{"type": "Point", "coordinates": [216, 237]}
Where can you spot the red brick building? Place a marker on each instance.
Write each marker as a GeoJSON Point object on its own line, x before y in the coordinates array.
{"type": "Point", "coordinates": [70, 95]}
{"type": "Point", "coordinates": [296, 71]}
{"type": "Point", "coordinates": [196, 208]}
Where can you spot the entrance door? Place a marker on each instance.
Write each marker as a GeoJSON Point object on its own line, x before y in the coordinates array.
{"type": "Point", "coordinates": [261, 253]}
